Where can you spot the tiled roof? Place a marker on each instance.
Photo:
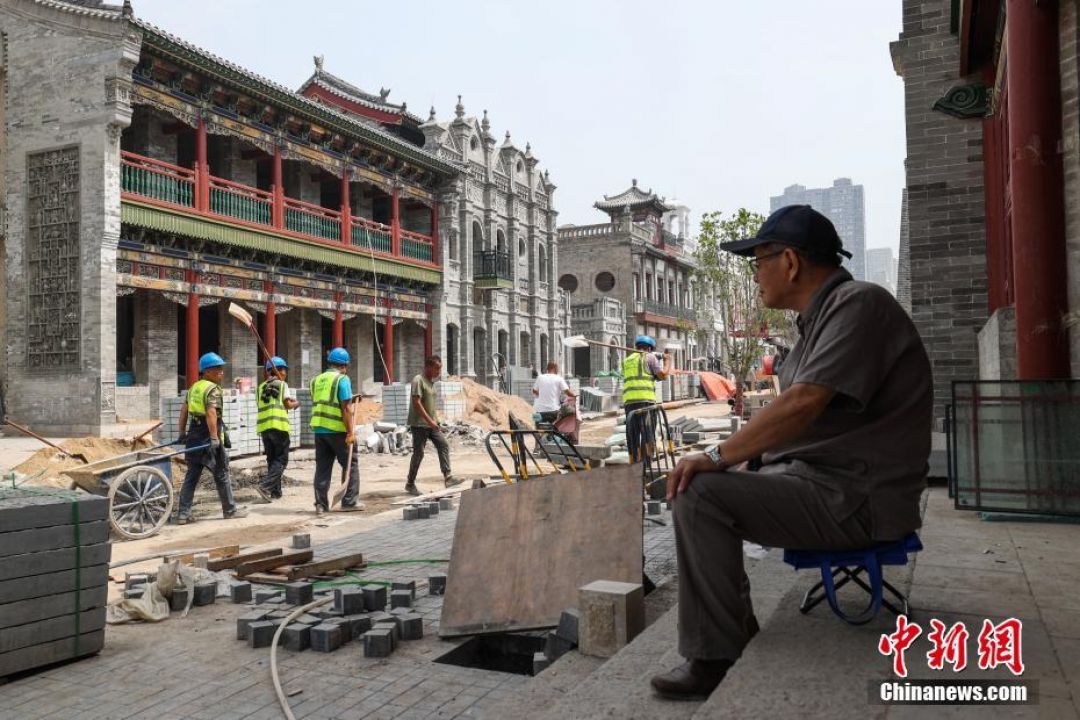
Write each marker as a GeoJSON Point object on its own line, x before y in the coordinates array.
{"type": "Point", "coordinates": [632, 196]}
{"type": "Point", "coordinates": [341, 88]}
{"type": "Point", "coordinates": [90, 8]}
{"type": "Point", "coordinates": [183, 50]}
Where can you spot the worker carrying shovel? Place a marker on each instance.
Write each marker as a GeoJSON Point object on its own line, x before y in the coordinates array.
{"type": "Point", "coordinates": [331, 421]}
{"type": "Point", "coordinates": [640, 372]}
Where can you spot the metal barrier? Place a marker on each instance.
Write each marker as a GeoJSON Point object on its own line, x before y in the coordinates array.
{"type": "Point", "coordinates": [656, 444]}
{"type": "Point", "coordinates": [553, 446]}
{"type": "Point", "coordinates": [1014, 446]}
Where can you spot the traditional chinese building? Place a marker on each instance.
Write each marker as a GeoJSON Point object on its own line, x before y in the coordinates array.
{"type": "Point", "coordinates": [148, 183]}
{"type": "Point", "coordinates": [635, 260]}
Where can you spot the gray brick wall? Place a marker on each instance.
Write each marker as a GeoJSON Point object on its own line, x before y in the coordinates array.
{"type": "Point", "coordinates": [1070, 120]}
{"type": "Point", "coordinates": [946, 236]}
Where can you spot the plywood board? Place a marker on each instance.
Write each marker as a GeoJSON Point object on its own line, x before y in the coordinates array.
{"type": "Point", "coordinates": [522, 551]}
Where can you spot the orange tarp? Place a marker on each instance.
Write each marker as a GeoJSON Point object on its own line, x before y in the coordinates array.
{"type": "Point", "coordinates": [717, 387]}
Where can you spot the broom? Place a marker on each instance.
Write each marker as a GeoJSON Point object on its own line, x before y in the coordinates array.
{"type": "Point", "coordinates": [245, 317]}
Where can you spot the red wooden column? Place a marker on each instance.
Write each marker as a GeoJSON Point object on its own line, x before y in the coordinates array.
{"type": "Point", "coordinates": [388, 346]}
{"type": "Point", "coordinates": [1038, 203]}
{"type": "Point", "coordinates": [435, 257]}
{"type": "Point", "coordinates": [395, 223]}
{"type": "Point", "coordinates": [191, 341]}
{"type": "Point", "coordinates": [346, 211]}
{"type": "Point", "coordinates": [270, 324]}
{"type": "Point", "coordinates": [202, 169]}
{"type": "Point", "coordinates": [277, 212]}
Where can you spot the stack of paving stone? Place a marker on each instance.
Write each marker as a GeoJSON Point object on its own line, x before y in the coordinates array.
{"type": "Point", "coordinates": [426, 509]}
{"type": "Point", "coordinates": [395, 400]}
{"type": "Point", "coordinates": [307, 437]}
{"type": "Point", "coordinates": [54, 573]}
{"type": "Point", "coordinates": [450, 400]}
{"type": "Point", "coordinates": [241, 418]}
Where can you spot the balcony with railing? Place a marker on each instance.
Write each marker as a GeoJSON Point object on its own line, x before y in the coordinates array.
{"type": "Point", "coordinates": [491, 269]}
{"type": "Point", "coordinates": [194, 192]}
{"type": "Point", "coordinates": [664, 310]}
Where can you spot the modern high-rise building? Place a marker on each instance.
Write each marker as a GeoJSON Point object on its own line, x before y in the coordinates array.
{"type": "Point", "coordinates": [881, 268]}
{"type": "Point", "coordinates": [842, 203]}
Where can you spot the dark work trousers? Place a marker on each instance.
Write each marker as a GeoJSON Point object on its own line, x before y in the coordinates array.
{"type": "Point", "coordinates": [420, 436]}
{"type": "Point", "coordinates": [639, 429]}
{"type": "Point", "coordinates": [712, 518]}
{"type": "Point", "coordinates": [549, 416]}
{"type": "Point", "coordinates": [276, 448]}
{"type": "Point", "coordinates": [216, 460]}
{"type": "Point", "coordinates": [328, 448]}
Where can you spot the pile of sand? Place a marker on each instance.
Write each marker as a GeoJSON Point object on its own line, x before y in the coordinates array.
{"type": "Point", "coordinates": [366, 410]}
{"type": "Point", "coordinates": [489, 410]}
{"type": "Point", "coordinates": [47, 464]}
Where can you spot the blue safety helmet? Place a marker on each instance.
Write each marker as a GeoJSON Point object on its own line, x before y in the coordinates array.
{"type": "Point", "coordinates": [276, 362]}
{"type": "Point", "coordinates": [338, 356]}
{"type": "Point", "coordinates": [645, 340]}
{"type": "Point", "coordinates": [210, 360]}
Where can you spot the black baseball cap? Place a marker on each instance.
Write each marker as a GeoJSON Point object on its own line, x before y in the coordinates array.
{"type": "Point", "coordinates": [797, 226]}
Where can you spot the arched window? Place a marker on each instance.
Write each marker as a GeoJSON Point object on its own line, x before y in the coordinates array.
{"type": "Point", "coordinates": [478, 242]}
{"type": "Point", "coordinates": [521, 248]}
{"type": "Point", "coordinates": [500, 241]}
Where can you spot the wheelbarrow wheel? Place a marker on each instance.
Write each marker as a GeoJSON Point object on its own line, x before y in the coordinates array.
{"type": "Point", "coordinates": [140, 502]}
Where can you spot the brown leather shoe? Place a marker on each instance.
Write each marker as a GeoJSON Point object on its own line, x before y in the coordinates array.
{"type": "Point", "coordinates": [693, 680]}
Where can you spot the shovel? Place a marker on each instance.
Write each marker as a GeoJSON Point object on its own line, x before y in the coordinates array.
{"type": "Point", "coordinates": [27, 431]}
{"type": "Point", "coordinates": [340, 492]}
{"type": "Point", "coordinates": [135, 440]}
{"type": "Point", "coordinates": [245, 317]}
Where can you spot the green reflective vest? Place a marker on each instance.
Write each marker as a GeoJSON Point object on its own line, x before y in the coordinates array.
{"type": "Point", "coordinates": [196, 398]}
{"type": "Point", "coordinates": [272, 413]}
{"type": "Point", "coordinates": [638, 382]}
{"type": "Point", "coordinates": [325, 407]}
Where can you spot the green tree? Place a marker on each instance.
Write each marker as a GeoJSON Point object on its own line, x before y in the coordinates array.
{"type": "Point", "coordinates": [728, 295]}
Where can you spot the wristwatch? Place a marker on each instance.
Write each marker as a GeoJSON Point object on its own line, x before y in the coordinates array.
{"type": "Point", "coordinates": [713, 454]}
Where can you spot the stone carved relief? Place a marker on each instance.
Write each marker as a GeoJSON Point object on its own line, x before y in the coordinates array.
{"type": "Point", "coordinates": [53, 267]}
{"type": "Point", "coordinates": [108, 397]}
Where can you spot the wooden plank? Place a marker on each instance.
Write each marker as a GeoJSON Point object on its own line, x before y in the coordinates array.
{"type": "Point", "coordinates": [36, 586]}
{"type": "Point", "coordinates": [227, 563]}
{"type": "Point", "coordinates": [521, 551]}
{"type": "Point", "coordinates": [52, 538]}
{"type": "Point", "coordinates": [28, 611]}
{"type": "Point", "coordinates": [267, 578]}
{"type": "Point", "coordinates": [50, 561]}
{"type": "Point", "coordinates": [43, 631]}
{"type": "Point", "coordinates": [449, 492]}
{"type": "Point", "coordinates": [217, 552]}
{"type": "Point", "coordinates": [21, 509]}
{"type": "Point", "coordinates": [323, 566]}
{"type": "Point", "coordinates": [294, 558]}
{"type": "Point", "coordinates": [51, 652]}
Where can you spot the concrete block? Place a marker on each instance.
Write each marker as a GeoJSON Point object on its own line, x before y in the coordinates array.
{"type": "Point", "coordinates": [296, 637]}
{"type": "Point", "coordinates": [358, 624]}
{"type": "Point", "coordinates": [349, 600]}
{"type": "Point", "coordinates": [205, 593]}
{"type": "Point", "coordinates": [265, 596]}
{"type": "Point", "coordinates": [391, 625]}
{"type": "Point", "coordinates": [410, 586]}
{"type": "Point", "coordinates": [202, 560]}
{"type": "Point", "coordinates": [423, 512]}
{"type": "Point", "coordinates": [346, 628]}
{"type": "Point", "coordinates": [401, 599]}
{"type": "Point", "coordinates": [326, 637]}
{"type": "Point", "coordinates": [244, 622]}
{"type": "Point", "coordinates": [179, 599]}
{"type": "Point", "coordinates": [299, 593]}
{"type": "Point", "coordinates": [555, 647]}
{"type": "Point", "coordinates": [378, 642]}
{"type": "Point", "coordinates": [410, 513]}
{"type": "Point", "coordinates": [134, 593]}
{"type": "Point", "coordinates": [278, 614]}
{"type": "Point", "coordinates": [433, 508]}
{"type": "Point", "coordinates": [398, 611]}
{"type": "Point", "coordinates": [540, 663]}
{"type": "Point", "coordinates": [410, 626]}
{"type": "Point", "coordinates": [261, 634]}
{"type": "Point", "coordinates": [131, 580]}
{"type": "Point", "coordinates": [379, 616]}
{"type": "Point", "coordinates": [240, 591]}
{"type": "Point", "coordinates": [569, 622]}
{"type": "Point", "coordinates": [301, 541]}
{"type": "Point", "coordinates": [611, 615]}
{"type": "Point", "coordinates": [652, 507]}
{"type": "Point", "coordinates": [374, 598]}
{"type": "Point", "coordinates": [446, 503]}
{"type": "Point", "coordinates": [436, 584]}
{"type": "Point", "coordinates": [329, 614]}
{"type": "Point", "coordinates": [307, 619]}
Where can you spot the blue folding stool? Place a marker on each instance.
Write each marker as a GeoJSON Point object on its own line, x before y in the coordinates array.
{"type": "Point", "coordinates": [851, 564]}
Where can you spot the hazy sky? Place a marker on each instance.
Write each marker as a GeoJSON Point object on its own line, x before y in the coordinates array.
{"type": "Point", "coordinates": [718, 103]}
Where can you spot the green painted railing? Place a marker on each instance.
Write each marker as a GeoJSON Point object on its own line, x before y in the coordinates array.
{"type": "Point", "coordinates": [415, 249]}
{"type": "Point", "coordinates": [371, 238]}
{"type": "Point", "coordinates": [240, 202]}
{"type": "Point", "coordinates": [157, 180]}
{"type": "Point", "coordinates": [307, 219]}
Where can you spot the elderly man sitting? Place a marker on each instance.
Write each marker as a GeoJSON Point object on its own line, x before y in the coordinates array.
{"type": "Point", "coordinates": [844, 447]}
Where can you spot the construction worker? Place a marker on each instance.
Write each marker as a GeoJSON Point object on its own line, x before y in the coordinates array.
{"type": "Point", "coordinates": [424, 425]}
{"type": "Point", "coordinates": [274, 404]}
{"type": "Point", "coordinates": [204, 408]}
{"type": "Point", "coordinates": [331, 420]}
{"type": "Point", "coordinates": [640, 371]}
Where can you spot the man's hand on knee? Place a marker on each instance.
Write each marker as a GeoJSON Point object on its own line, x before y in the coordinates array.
{"type": "Point", "coordinates": [691, 465]}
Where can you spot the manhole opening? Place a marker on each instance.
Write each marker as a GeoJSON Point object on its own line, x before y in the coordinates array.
{"type": "Point", "coordinates": [500, 652]}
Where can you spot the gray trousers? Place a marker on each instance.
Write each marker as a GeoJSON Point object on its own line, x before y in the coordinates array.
{"type": "Point", "coordinates": [420, 436]}
{"type": "Point", "coordinates": [712, 518]}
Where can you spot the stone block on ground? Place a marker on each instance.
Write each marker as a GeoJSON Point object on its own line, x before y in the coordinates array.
{"type": "Point", "coordinates": [569, 622]}
{"type": "Point", "coordinates": [437, 584]}
{"type": "Point", "coordinates": [179, 598]}
{"type": "Point", "coordinates": [296, 637]}
{"type": "Point", "coordinates": [358, 624]}
{"type": "Point", "coordinates": [390, 625]}
{"type": "Point", "coordinates": [446, 503]}
{"type": "Point", "coordinates": [374, 599]}
{"type": "Point", "coordinates": [401, 599]}
{"type": "Point", "coordinates": [411, 626]}
{"type": "Point", "coordinates": [540, 663]}
{"type": "Point", "coordinates": [134, 593]}
{"type": "Point", "coordinates": [349, 600]}
{"type": "Point", "coordinates": [265, 596]}
{"type": "Point", "coordinates": [307, 619]}
{"type": "Point", "coordinates": [409, 513]}
{"type": "Point", "coordinates": [261, 634]}
{"type": "Point", "coordinates": [326, 637]}
{"type": "Point", "coordinates": [301, 541]}
{"type": "Point", "coordinates": [410, 586]}
{"type": "Point", "coordinates": [555, 647]}
{"type": "Point", "coordinates": [328, 614]}
{"type": "Point", "coordinates": [611, 614]}
{"type": "Point", "coordinates": [433, 508]}
{"type": "Point", "coordinates": [652, 507]}
{"type": "Point", "coordinates": [378, 642]}
{"type": "Point", "coordinates": [346, 628]}
{"type": "Point", "coordinates": [423, 512]}
{"type": "Point", "coordinates": [244, 622]}
{"type": "Point", "coordinates": [240, 591]}
{"type": "Point", "coordinates": [133, 579]}
{"type": "Point", "coordinates": [299, 593]}
{"type": "Point", "coordinates": [205, 593]}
